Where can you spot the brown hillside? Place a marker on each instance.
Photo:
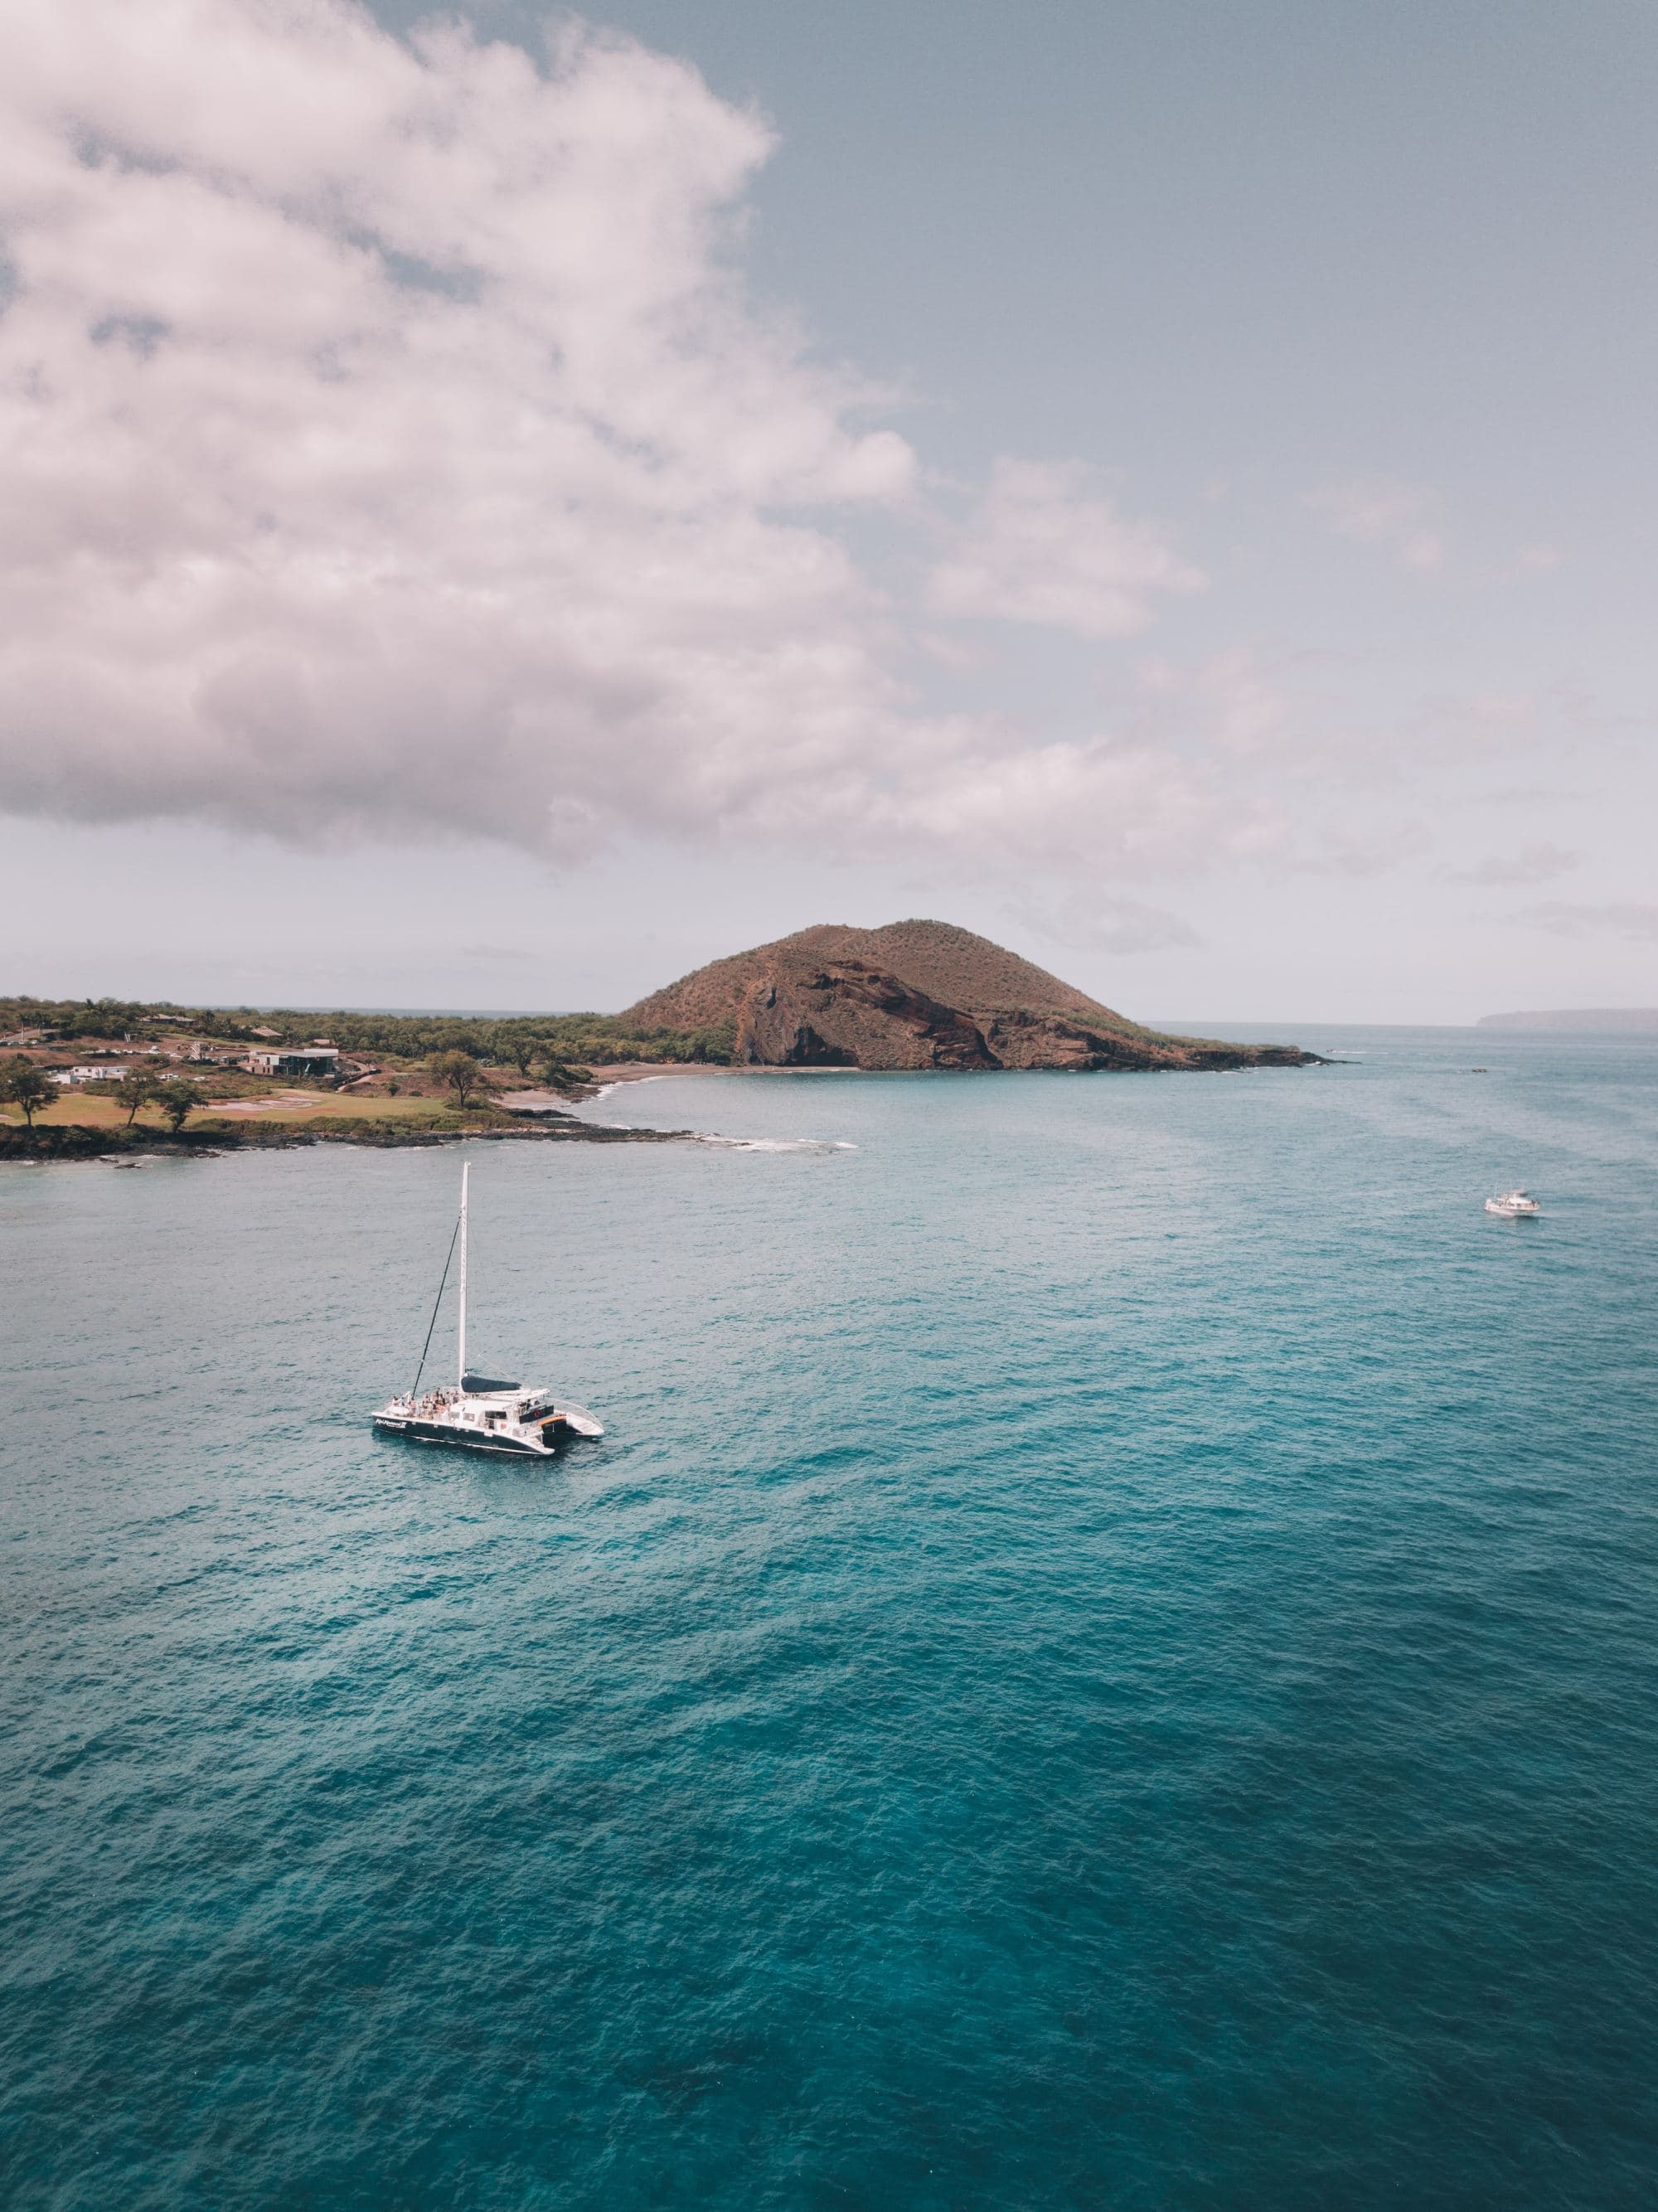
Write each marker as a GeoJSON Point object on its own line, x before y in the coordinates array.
{"type": "Point", "coordinates": [970, 971]}
{"type": "Point", "coordinates": [914, 994]}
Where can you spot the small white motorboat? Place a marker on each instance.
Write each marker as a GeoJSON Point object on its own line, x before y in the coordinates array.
{"type": "Point", "coordinates": [1513, 1205]}
{"type": "Point", "coordinates": [481, 1413]}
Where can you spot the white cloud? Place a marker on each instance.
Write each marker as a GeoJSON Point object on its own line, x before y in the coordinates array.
{"type": "Point", "coordinates": [1380, 511]}
{"type": "Point", "coordinates": [1038, 549]}
{"type": "Point", "coordinates": [395, 455]}
{"type": "Point", "coordinates": [393, 451]}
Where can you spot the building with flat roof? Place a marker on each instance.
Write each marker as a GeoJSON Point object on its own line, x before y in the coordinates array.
{"type": "Point", "coordinates": [295, 1059]}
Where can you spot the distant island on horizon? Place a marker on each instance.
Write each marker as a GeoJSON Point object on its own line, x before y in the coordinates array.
{"type": "Point", "coordinates": [1579, 1017]}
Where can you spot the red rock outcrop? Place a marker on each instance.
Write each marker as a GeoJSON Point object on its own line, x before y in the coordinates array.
{"type": "Point", "coordinates": [850, 1013]}
{"type": "Point", "coordinates": [916, 994]}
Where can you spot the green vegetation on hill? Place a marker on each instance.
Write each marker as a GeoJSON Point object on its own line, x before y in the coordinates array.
{"type": "Point", "coordinates": [525, 1041]}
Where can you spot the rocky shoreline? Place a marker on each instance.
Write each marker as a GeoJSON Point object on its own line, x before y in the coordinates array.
{"type": "Point", "coordinates": [529, 1117]}
{"type": "Point", "coordinates": [214, 1140]}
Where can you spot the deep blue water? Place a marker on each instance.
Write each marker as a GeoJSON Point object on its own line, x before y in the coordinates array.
{"type": "Point", "coordinates": [1109, 1657]}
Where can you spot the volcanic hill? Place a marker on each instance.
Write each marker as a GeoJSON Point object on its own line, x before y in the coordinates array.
{"type": "Point", "coordinates": [917, 994]}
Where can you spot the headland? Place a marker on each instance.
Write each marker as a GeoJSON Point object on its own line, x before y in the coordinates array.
{"type": "Point", "coordinates": [91, 1079]}
{"type": "Point", "coordinates": [917, 995]}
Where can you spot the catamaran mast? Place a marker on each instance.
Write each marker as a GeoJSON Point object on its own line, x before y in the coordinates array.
{"type": "Point", "coordinates": [461, 1377]}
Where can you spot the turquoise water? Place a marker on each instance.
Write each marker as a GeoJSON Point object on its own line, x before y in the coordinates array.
{"type": "Point", "coordinates": [1108, 1659]}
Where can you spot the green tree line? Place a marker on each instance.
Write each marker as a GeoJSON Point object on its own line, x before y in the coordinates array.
{"type": "Point", "coordinates": [524, 1042]}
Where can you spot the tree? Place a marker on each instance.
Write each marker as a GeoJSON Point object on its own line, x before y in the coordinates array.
{"type": "Point", "coordinates": [134, 1090]}
{"type": "Point", "coordinates": [28, 1086]}
{"type": "Point", "coordinates": [560, 1075]}
{"type": "Point", "coordinates": [177, 1098]}
{"type": "Point", "coordinates": [459, 1071]}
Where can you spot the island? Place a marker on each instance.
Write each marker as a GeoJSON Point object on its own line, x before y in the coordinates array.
{"type": "Point", "coordinates": [1596, 1018]}
{"type": "Point", "coordinates": [103, 1078]}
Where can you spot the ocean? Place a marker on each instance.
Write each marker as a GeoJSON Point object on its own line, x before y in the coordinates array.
{"type": "Point", "coordinates": [1109, 1658]}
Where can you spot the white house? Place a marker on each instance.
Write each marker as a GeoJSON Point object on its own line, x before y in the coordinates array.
{"type": "Point", "coordinates": [298, 1059]}
{"type": "Point", "coordinates": [98, 1072]}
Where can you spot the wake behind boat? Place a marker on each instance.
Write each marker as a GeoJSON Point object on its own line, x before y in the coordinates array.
{"type": "Point", "coordinates": [481, 1413]}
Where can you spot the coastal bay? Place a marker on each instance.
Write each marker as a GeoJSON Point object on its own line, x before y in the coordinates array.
{"type": "Point", "coordinates": [919, 995]}
{"type": "Point", "coordinates": [1108, 1616]}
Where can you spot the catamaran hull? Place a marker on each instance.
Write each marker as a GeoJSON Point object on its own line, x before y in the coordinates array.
{"type": "Point", "coordinates": [435, 1432]}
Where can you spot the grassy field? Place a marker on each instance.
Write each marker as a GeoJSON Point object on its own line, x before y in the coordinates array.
{"type": "Point", "coordinates": [297, 1108]}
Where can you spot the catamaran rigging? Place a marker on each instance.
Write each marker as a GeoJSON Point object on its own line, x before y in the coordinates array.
{"type": "Point", "coordinates": [481, 1412]}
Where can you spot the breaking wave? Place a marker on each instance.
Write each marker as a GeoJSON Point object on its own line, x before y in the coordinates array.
{"type": "Point", "coordinates": [776, 1143]}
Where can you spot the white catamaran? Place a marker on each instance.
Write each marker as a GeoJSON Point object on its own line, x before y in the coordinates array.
{"type": "Point", "coordinates": [481, 1412]}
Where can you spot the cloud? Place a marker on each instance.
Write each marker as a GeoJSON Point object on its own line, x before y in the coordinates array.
{"type": "Point", "coordinates": [1380, 511]}
{"type": "Point", "coordinates": [1531, 864]}
{"type": "Point", "coordinates": [395, 455]}
{"type": "Point", "coordinates": [392, 450]}
{"type": "Point", "coordinates": [1241, 709]}
{"type": "Point", "coordinates": [1038, 549]}
{"type": "Point", "coordinates": [1103, 922]}
{"type": "Point", "coordinates": [1071, 804]}
{"type": "Point", "coordinates": [1633, 919]}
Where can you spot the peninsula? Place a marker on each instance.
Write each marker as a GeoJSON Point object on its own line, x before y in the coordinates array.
{"type": "Point", "coordinates": [84, 1077]}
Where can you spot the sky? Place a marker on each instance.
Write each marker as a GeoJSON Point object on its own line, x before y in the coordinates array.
{"type": "Point", "coordinates": [503, 506]}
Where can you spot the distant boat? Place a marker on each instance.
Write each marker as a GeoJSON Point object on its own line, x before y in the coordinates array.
{"type": "Point", "coordinates": [1513, 1205]}
{"type": "Point", "coordinates": [481, 1412]}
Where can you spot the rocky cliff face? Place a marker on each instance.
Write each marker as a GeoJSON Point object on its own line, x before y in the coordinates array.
{"type": "Point", "coordinates": [850, 1013]}
{"type": "Point", "coordinates": [917, 994]}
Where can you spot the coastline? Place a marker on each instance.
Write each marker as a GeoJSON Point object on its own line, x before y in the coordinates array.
{"type": "Point", "coordinates": [527, 1116]}
{"type": "Point", "coordinates": [74, 1141]}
